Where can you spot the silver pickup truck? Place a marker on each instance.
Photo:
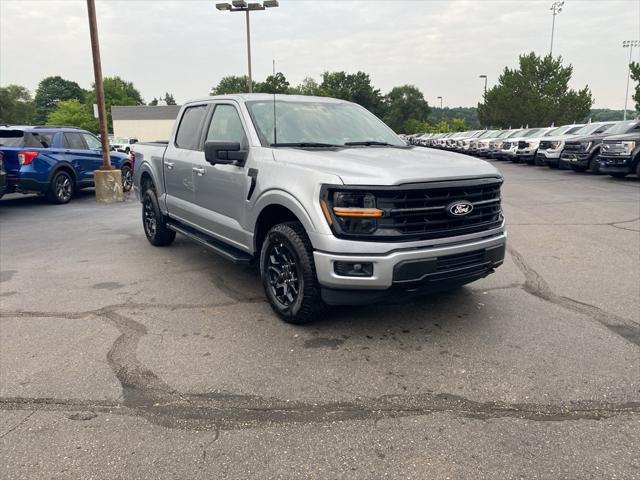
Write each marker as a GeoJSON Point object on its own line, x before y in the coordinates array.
{"type": "Point", "coordinates": [330, 203]}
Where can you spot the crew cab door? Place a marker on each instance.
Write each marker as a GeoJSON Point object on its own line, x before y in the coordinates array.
{"type": "Point", "coordinates": [179, 160]}
{"type": "Point", "coordinates": [221, 190]}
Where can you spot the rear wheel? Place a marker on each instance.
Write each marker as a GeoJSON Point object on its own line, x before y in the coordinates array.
{"type": "Point", "coordinates": [154, 222]}
{"type": "Point", "coordinates": [289, 275]}
{"type": "Point", "coordinates": [61, 189]}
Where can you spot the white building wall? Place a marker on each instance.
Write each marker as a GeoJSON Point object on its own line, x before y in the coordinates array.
{"type": "Point", "coordinates": [143, 130]}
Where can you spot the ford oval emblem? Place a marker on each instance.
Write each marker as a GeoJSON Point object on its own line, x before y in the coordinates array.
{"type": "Point", "coordinates": [460, 209]}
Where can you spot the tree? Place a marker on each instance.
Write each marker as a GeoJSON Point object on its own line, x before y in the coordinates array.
{"type": "Point", "coordinates": [169, 100]}
{"type": "Point", "coordinates": [154, 102]}
{"type": "Point", "coordinates": [354, 87]}
{"type": "Point", "coordinates": [468, 114]}
{"type": "Point", "coordinates": [405, 103]}
{"type": "Point", "coordinates": [232, 84]}
{"type": "Point", "coordinates": [635, 74]}
{"type": "Point", "coordinates": [72, 112]}
{"type": "Point", "coordinates": [16, 105]}
{"type": "Point", "coordinates": [277, 83]}
{"type": "Point", "coordinates": [537, 93]}
{"type": "Point", "coordinates": [50, 92]}
{"type": "Point", "coordinates": [308, 86]}
{"type": "Point", "coordinates": [117, 92]}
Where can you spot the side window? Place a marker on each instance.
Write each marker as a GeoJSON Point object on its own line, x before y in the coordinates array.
{"type": "Point", "coordinates": [73, 141]}
{"type": "Point", "coordinates": [92, 142]}
{"type": "Point", "coordinates": [226, 126]}
{"type": "Point", "coordinates": [188, 135]}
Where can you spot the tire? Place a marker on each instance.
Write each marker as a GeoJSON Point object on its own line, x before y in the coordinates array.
{"type": "Point", "coordinates": [127, 178]}
{"type": "Point", "coordinates": [539, 162]}
{"type": "Point", "coordinates": [594, 165]}
{"type": "Point", "coordinates": [578, 168]}
{"type": "Point", "coordinates": [288, 274]}
{"type": "Point", "coordinates": [618, 174]}
{"type": "Point", "coordinates": [61, 189]}
{"type": "Point", "coordinates": [555, 166]}
{"type": "Point", "coordinates": [638, 168]}
{"type": "Point", "coordinates": [154, 222]}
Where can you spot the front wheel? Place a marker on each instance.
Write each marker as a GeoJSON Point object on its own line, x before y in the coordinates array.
{"type": "Point", "coordinates": [578, 168]}
{"type": "Point", "coordinates": [127, 178]}
{"type": "Point", "coordinates": [594, 165]}
{"type": "Point", "coordinates": [154, 222]}
{"type": "Point", "coordinates": [289, 275]}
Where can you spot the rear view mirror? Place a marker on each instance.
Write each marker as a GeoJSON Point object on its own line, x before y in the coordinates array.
{"type": "Point", "coordinates": [225, 153]}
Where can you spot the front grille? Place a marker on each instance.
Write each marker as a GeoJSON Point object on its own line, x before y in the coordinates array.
{"type": "Point", "coordinates": [573, 147]}
{"type": "Point", "coordinates": [460, 260]}
{"type": "Point", "coordinates": [613, 149]}
{"type": "Point", "coordinates": [522, 144]}
{"type": "Point", "coordinates": [506, 145]}
{"type": "Point", "coordinates": [545, 145]}
{"type": "Point", "coordinates": [421, 212]}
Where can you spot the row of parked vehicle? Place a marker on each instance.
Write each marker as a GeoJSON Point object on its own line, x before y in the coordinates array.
{"type": "Point", "coordinates": [599, 147]}
{"type": "Point", "coordinates": [54, 161]}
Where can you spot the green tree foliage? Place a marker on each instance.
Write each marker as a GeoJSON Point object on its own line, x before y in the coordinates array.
{"type": "Point", "coordinates": [72, 112]}
{"type": "Point", "coordinates": [405, 104]}
{"type": "Point", "coordinates": [153, 102]}
{"type": "Point", "coordinates": [50, 92]}
{"type": "Point", "coordinates": [169, 100]}
{"type": "Point", "coordinates": [537, 93]}
{"type": "Point", "coordinates": [232, 84]}
{"type": "Point", "coordinates": [468, 114]}
{"type": "Point", "coordinates": [117, 92]}
{"type": "Point", "coordinates": [16, 105]}
{"type": "Point", "coordinates": [277, 83]}
{"type": "Point", "coordinates": [354, 87]}
{"type": "Point", "coordinates": [635, 75]}
{"type": "Point", "coordinates": [308, 86]}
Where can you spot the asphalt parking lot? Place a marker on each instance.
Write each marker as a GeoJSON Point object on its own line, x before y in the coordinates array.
{"type": "Point", "coordinates": [121, 360]}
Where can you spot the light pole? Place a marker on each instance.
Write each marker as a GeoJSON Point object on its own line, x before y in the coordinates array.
{"type": "Point", "coordinates": [485, 85]}
{"type": "Point", "coordinates": [243, 6]}
{"type": "Point", "coordinates": [440, 98]}
{"type": "Point", "coordinates": [628, 44]}
{"type": "Point", "coordinates": [556, 8]}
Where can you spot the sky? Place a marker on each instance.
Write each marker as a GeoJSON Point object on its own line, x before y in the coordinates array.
{"type": "Point", "coordinates": [185, 47]}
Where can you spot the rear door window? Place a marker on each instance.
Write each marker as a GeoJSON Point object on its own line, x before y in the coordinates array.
{"type": "Point", "coordinates": [190, 128]}
{"type": "Point", "coordinates": [92, 142]}
{"type": "Point", "coordinates": [73, 141]}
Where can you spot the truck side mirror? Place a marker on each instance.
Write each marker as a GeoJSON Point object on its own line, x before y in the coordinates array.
{"type": "Point", "coordinates": [224, 153]}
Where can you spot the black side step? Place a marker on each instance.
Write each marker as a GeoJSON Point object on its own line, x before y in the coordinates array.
{"type": "Point", "coordinates": [221, 248]}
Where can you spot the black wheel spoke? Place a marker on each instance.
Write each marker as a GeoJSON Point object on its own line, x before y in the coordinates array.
{"type": "Point", "coordinates": [282, 273]}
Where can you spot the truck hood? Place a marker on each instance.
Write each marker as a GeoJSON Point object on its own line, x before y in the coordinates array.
{"type": "Point", "coordinates": [624, 136]}
{"type": "Point", "coordinates": [587, 138]}
{"type": "Point", "coordinates": [388, 165]}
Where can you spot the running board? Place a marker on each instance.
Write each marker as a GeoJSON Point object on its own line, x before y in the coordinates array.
{"type": "Point", "coordinates": [221, 248]}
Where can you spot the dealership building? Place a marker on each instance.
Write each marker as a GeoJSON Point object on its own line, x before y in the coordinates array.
{"type": "Point", "coordinates": [144, 122]}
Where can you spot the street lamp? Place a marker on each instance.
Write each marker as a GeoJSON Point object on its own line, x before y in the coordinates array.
{"type": "Point", "coordinates": [556, 8]}
{"type": "Point", "coordinates": [628, 44]}
{"type": "Point", "coordinates": [440, 98]}
{"type": "Point", "coordinates": [242, 6]}
{"type": "Point", "coordinates": [485, 85]}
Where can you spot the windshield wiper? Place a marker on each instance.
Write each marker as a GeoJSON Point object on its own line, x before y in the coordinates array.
{"type": "Point", "coordinates": [368, 143]}
{"type": "Point", "coordinates": [305, 144]}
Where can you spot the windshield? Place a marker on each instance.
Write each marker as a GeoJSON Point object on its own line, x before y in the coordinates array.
{"type": "Point", "coordinates": [532, 133]}
{"type": "Point", "coordinates": [320, 123]}
{"type": "Point", "coordinates": [588, 128]}
{"type": "Point", "coordinates": [516, 133]}
{"type": "Point", "coordinates": [622, 127]}
{"type": "Point", "coordinates": [119, 140]}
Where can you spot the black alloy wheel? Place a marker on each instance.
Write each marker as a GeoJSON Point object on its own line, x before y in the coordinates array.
{"type": "Point", "coordinates": [127, 178]}
{"type": "Point", "coordinates": [283, 272]}
{"type": "Point", "coordinates": [61, 189]}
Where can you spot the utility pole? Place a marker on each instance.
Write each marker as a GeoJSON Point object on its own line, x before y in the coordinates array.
{"type": "Point", "coordinates": [556, 8]}
{"type": "Point", "coordinates": [97, 71]}
{"type": "Point", "coordinates": [628, 44]}
{"type": "Point", "coordinates": [107, 180]}
{"type": "Point", "coordinates": [440, 98]}
{"type": "Point", "coordinates": [243, 6]}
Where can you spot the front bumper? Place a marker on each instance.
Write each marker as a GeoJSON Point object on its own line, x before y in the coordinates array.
{"type": "Point", "coordinates": [579, 159]}
{"type": "Point", "coordinates": [616, 164]}
{"type": "Point", "coordinates": [409, 266]}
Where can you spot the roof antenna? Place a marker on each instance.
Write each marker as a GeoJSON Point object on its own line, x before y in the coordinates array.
{"type": "Point", "coordinates": [275, 130]}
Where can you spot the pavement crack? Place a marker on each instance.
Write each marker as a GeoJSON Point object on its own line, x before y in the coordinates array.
{"type": "Point", "coordinates": [536, 285]}
{"type": "Point", "coordinates": [27, 417]}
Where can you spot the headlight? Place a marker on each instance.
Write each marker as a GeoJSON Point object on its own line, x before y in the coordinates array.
{"type": "Point", "coordinates": [628, 146]}
{"type": "Point", "coordinates": [556, 145]}
{"type": "Point", "coordinates": [586, 146]}
{"type": "Point", "coordinates": [351, 212]}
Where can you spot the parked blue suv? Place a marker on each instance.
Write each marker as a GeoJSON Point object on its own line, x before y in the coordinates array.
{"type": "Point", "coordinates": [54, 161]}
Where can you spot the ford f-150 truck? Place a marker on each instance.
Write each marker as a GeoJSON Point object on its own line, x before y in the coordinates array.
{"type": "Point", "coordinates": [620, 155]}
{"type": "Point", "coordinates": [330, 203]}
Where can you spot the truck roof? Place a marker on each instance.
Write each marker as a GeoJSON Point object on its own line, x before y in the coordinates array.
{"type": "Point", "coordinates": [281, 97]}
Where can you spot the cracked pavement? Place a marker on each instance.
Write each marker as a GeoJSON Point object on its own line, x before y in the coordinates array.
{"type": "Point", "coordinates": [120, 360]}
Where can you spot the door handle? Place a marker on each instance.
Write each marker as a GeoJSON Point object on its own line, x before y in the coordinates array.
{"type": "Point", "coordinates": [169, 165]}
{"type": "Point", "coordinates": [199, 171]}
